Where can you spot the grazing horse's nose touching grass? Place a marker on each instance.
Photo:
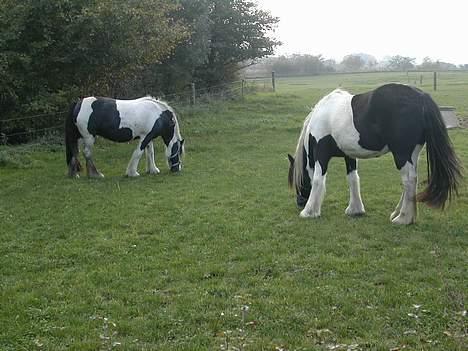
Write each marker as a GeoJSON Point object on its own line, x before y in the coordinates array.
{"type": "Point", "coordinates": [301, 201]}
{"type": "Point", "coordinates": [176, 169]}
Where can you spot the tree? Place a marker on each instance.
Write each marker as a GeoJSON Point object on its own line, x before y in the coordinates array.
{"type": "Point", "coordinates": [400, 63]}
{"type": "Point", "coordinates": [52, 50]}
{"type": "Point", "coordinates": [352, 63]}
{"type": "Point", "coordinates": [238, 33]}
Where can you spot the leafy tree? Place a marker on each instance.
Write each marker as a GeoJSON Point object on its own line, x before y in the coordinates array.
{"type": "Point", "coordinates": [400, 63]}
{"type": "Point", "coordinates": [300, 65]}
{"type": "Point", "coordinates": [430, 65]}
{"type": "Point", "coordinates": [51, 50]}
{"type": "Point", "coordinates": [178, 70]}
{"type": "Point", "coordinates": [352, 63]}
{"type": "Point", "coordinates": [226, 35]}
{"type": "Point", "coordinates": [238, 33]}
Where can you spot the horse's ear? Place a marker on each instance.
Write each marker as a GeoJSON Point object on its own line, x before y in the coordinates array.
{"type": "Point", "coordinates": [291, 159]}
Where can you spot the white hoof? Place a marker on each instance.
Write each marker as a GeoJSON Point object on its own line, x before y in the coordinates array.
{"type": "Point", "coordinates": [403, 220]}
{"type": "Point", "coordinates": [97, 175]}
{"type": "Point", "coordinates": [154, 171]}
{"type": "Point", "coordinates": [305, 214]}
{"type": "Point", "coordinates": [354, 211]}
{"type": "Point", "coordinates": [133, 174]}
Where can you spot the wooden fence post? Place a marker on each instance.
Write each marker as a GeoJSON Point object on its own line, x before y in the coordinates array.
{"type": "Point", "coordinates": [273, 82]}
{"type": "Point", "coordinates": [435, 81]}
{"type": "Point", "coordinates": [242, 88]}
{"type": "Point", "coordinates": [420, 80]}
{"type": "Point", "coordinates": [193, 96]}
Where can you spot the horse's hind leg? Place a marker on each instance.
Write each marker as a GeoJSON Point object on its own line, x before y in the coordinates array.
{"type": "Point", "coordinates": [88, 153]}
{"type": "Point", "coordinates": [406, 210]}
{"type": "Point", "coordinates": [355, 206]}
{"type": "Point", "coordinates": [132, 168]}
{"type": "Point", "coordinates": [150, 164]}
{"type": "Point", "coordinates": [74, 167]}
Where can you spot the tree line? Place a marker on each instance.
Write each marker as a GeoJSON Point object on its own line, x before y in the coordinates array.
{"type": "Point", "coordinates": [53, 51]}
{"type": "Point", "coordinates": [316, 64]}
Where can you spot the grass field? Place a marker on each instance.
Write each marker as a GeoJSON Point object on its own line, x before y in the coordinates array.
{"type": "Point", "coordinates": [216, 258]}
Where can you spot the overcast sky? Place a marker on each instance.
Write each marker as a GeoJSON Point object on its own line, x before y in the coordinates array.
{"type": "Point", "coordinates": [335, 28]}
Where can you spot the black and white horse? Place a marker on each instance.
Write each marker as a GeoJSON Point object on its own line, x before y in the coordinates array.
{"type": "Point", "coordinates": [392, 118]}
{"type": "Point", "coordinates": [121, 121]}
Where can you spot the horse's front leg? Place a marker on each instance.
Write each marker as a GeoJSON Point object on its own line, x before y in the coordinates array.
{"type": "Point", "coordinates": [150, 164]}
{"type": "Point", "coordinates": [355, 206]}
{"type": "Point", "coordinates": [132, 168]}
{"type": "Point", "coordinates": [314, 203]}
{"type": "Point", "coordinates": [88, 153]}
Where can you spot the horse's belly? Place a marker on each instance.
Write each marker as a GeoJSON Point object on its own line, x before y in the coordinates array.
{"type": "Point", "coordinates": [120, 135]}
{"type": "Point", "coordinates": [360, 152]}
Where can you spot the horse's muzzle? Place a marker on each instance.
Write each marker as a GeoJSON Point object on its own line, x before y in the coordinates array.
{"type": "Point", "coordinates": [301, 201]}
{"type": "Point", "coordinates": [176, 169]}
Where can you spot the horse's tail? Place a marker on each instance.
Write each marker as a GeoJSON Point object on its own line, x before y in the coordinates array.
{"type": "Point", "coordinates": [72, 135]}
{"type": "Point", "coordinates": [444, 169]}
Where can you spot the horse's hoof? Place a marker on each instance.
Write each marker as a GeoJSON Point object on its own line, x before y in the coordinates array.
{"type": "Point", "coordinates": [98, 175]}
{"type": "Point", "coordinates": [154, 171]}
{"type": "Point", "coordinates": [133, 175]}
{"type": "Point", "coordinates": [355, 212]}
{"type": "Point", "coordinates": [402, 220]}
{"type": "Point", "coordinates": [305, 214]}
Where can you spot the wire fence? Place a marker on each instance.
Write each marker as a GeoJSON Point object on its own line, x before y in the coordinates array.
{"type": "Point", "coordinates": [23, 129]}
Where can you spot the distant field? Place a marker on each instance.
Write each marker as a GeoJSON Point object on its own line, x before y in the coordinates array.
{"type": "Point", "coordinates": [216, 258]}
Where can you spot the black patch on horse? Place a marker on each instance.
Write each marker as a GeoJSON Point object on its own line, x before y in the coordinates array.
{"type": "Point", "coordinates": [391, 115]}
{"type": "Point", "coordinates": [351, 164]}
{"type": "Point", "coordinates": [105, 121]}
{"type": "Point", "coordinates": [163, 126]}
{"type": "Point", "coordinates": [324, 150]}
{"type": "Point", "coordinates": [303, 192]}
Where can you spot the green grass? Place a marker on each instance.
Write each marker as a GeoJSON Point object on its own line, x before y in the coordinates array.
{"type": "Point", "coordinates": [217, 258]}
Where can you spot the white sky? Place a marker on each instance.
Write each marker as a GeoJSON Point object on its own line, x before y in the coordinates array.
{"type": "Point", "coordinates": [335, 28]}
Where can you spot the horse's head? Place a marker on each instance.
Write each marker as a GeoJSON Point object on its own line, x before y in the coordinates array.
{"type": "Point", "coordinates": [299, 179]}
{"type": "Point", "coordinates": [174, 157]}
{"type": "Point", "coordinates": [173, 140]}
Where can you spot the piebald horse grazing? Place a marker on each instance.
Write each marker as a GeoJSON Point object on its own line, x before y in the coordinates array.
{"type": "Point", "coordinates": [122, 121]}
{"type": "Point", "coordinates": [392, 118]}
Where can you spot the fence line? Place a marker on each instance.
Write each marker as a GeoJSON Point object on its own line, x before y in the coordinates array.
{"type": "Point", "coordinates": [33, 116]}
{"type": "Point", "coordinates": [224, 90]}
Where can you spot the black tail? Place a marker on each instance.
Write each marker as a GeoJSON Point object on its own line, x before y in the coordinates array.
{"type": "Point", "coordinates": [72, 135]}
{"type": "Point", "coordinates": [443, 166]}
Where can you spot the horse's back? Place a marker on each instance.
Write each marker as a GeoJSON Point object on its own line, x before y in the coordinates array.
{"type": "Point", "coordinates": [117, 120]}
{"type": "Point", "coordinates": [391, 115]}
{"type": "Point", "coordinates": [389, 118]}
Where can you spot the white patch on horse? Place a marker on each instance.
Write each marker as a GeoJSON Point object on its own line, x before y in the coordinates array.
{"type": "Point", "coordinates": [333, 115]}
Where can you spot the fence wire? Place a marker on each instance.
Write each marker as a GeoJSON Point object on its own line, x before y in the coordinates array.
{"type": "Point", "coordinates": [22, 129]}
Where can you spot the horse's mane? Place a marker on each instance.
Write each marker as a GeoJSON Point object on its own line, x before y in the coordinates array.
{"type": "Point", "coordinates": [297, 176]}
